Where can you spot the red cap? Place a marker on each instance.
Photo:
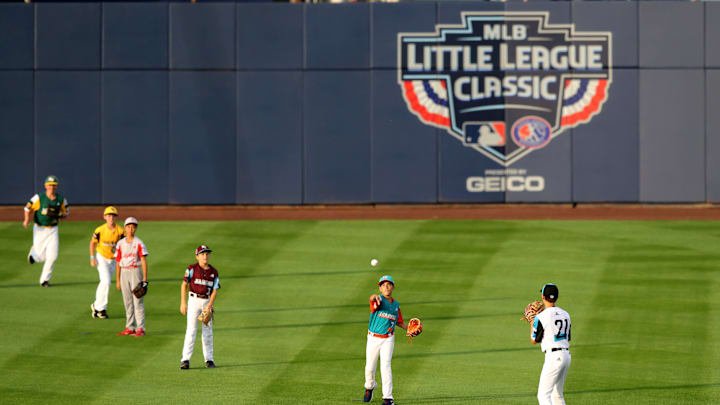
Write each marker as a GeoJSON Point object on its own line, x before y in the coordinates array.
{"type": "Point", "coordinates": [202, 249]}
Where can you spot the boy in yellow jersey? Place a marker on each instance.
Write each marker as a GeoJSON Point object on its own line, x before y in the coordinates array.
{"type": "Point", "coordinates": [46, 210]}
{"type": "Point", "coordinates": [103, 240]}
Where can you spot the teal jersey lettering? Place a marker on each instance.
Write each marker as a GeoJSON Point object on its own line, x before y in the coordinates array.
{"type": "Point", "coordinates": [384, 318]}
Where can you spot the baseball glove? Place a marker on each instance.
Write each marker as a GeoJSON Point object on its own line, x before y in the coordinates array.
{"type": "Point", "coordinates": [532, 309]}
{"type": "Point", "coordinates": [414, 328]}
{"type": "Point", "coordinates": [140, 289]}
{"type": "Point", "coordinates": [206, 315]}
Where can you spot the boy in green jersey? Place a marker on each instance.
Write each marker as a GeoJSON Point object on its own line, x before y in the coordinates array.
{"type": "Point", "coordinates": [46, 209]}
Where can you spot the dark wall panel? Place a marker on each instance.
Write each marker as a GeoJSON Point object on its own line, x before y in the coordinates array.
{"type": "Point", "coordinates": [269, 43]}
{"type": "Point", "coordinates": [672, 136]}
{"type": "Point", "coordinates": [17, 145]}
{"type": "Point", "coordinates": [404, 151]}
{"type": "Point", "coordinates": [662, 43]}
{"type": "Point", "coordinates": [67, 133]}
{"type": "Point", "coordinates": [338, 36]}
{"type": "Point", "coordinates": [712, 133]}
{"type": "Point", "coordinates": [619, 17]}
{"type": "Point", "coordinates": [17, 36]}
{"type": "Point", "coordinates": [202, 36]}
{"type": "Point", "coordinates": [68, 35]}
{"type": "Point", "coordinates": [337, 137]}
{"type": "Point", "coordinates": [135, 35]}
{"type": "Point", "coordinates": [390, 19]}
{"type": "Point", "coordinates": [605, 150]}
{"type": "Point", "coordinates": [712, 34]}
{"type": "Point", "coordinates": [269, 150]}
{"type": "Point", "coordinates": [135, 137]}
{"type": "Point", "coordinates": [202, 138]}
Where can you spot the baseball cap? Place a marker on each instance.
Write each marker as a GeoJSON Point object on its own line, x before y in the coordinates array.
{"type": "Point", "coordinates": [550, 291]}
{"type": "Point", "coordinates": [51, 179]}
{"type": "Point", "coordinates": [386, 278]}
{"type": "Point", "coordinates": [130, 220]}
{"type": "Point", "coordinates": [110, 210]}
{"type": "Point", "coordinates": [202, 249]}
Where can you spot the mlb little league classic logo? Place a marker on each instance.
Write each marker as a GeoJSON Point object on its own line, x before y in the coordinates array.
{"type": "Point", "coordinates": [505, 83]}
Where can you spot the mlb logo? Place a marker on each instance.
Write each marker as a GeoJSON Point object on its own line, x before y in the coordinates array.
{"type": "Point", "coordinates": [484, 134]}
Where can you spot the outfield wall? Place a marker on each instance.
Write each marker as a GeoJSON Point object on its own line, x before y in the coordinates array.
{"type": "Point", "coordinates": [263, 103]}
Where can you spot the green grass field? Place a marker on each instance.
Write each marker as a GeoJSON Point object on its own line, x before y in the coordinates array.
{"type": "Point", "coordinates": [292, 313]}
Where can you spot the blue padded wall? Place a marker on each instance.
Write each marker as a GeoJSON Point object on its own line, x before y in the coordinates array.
{"type": "Point", "coordinates": [67, 133]}
{"type": "Point", "coordinates": [251, 103]}
{"type": "Point", "coordinates": [605, 151]}
{"type": "Point", "coordinates": [404, 151]}
{"type": "Point", "coordinates": [338, 36]}
{"type": "Point", "coordinates": [17, 140]}
{"type": "Point", "coordinates": [269, 36]}
{"type": "Point", "coordinates": [202, 138]}
{"type": "Point", "coordinates": [337, 137]}
{"type": "Point", "coordinates": [661, 47]}
{"type": "Point", "coordinates": [135, 137]}
{"type": "Point", "coordinates": [17, 36]}
{"type": "Point", "coordinates": [269, 150]}
{"type": "Point", "coordinates": [202, 35]}
{"type": "Point", "coordinates": [391, 18]}
{"type": "Point", "coordinates": [672, 150]}
{"type": "Point", "coordinates": [68, 35]}
{"type": "Point", "coordinates": [135, 36]}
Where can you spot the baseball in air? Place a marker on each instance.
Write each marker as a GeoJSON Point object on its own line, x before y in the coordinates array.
{"type": "Point", "coordinates": [373, 262]}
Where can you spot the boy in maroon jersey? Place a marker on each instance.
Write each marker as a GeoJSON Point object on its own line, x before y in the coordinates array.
{"type": "Point", "coordinates": [203, 282]}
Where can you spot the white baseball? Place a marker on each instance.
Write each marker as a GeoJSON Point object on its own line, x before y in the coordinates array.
{"type": "Point", "coordinates": [373, 262]}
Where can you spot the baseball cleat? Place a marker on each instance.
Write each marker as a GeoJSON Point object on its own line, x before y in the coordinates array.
{"type": "Point", "coordinates": [30, 258]}
{"type": "Point", "coordinates": [140, 332]}
{"type": "Point", "coordinates": [103, 314]}
{"type": "Point", "coordinates": [184, 365]}
{"type": "Point", "coordinates": [126, 332]}
{"type": "Point", "coordinates": [94, 313]}
{"type": "Point", "coordinates": [368, 395]}
{"type": "Point", "coordinates": [45, 284]}
{"type": "Point", "coordinates": [209, 364]}
{"type": "Point", "coordinates": [388, 402]}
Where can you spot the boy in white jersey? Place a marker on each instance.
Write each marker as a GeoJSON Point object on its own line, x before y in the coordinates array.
{"type": "Point", "coordinates": [130, 253]}
{"type": "Point", "coordinates": [384, 316]}
{"type": "Point", "coordinates": [551, 328]}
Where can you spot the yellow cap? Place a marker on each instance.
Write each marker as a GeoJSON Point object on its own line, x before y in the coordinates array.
{"type": "Point", "coordinates": [110, 210]}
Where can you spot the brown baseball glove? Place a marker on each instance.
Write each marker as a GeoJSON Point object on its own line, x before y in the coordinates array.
{"type": "Point", "coordinates": [532, 309]}
{"type": "Point", "coordinates": [414, 328]}
{"type": "Point", "coordinates": [206, 315]}
{"type": "Point", "coordinates": [140, 289]}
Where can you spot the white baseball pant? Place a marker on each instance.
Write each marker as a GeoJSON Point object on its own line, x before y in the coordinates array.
{"type": "Point", "coordinates": [194, 308]}
{"type": "Point", "coordinates": [106, 269]}
{"type": "Point", "coordinates": [552, 378]}
{"type": "Point", "coordinates": [46, 243]}
{"type": "Point", "coordinates": [383, 347]}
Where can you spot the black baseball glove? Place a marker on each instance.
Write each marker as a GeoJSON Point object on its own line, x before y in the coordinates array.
{"type": "Point", "coordinates": [140, 289]}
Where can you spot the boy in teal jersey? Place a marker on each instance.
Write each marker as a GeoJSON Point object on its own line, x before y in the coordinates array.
{"type": "Point", "coordinates": [384, 316]}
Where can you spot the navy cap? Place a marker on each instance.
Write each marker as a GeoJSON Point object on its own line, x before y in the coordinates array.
{"type": "Point", "coordinates": [550, 292]}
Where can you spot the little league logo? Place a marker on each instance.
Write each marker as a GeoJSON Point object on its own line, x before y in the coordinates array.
{"type": "Point", "coordinates": [505, 83]}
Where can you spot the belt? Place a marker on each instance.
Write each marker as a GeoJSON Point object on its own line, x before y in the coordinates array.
{"type": "Point", "coordinates": [192, 294]}
{"type": "Point", "coordinates": [555, 349]}
{"type": "Point", "coordinates": [130, 268]}
{"type": "Point", "coordinates": [380, 336]}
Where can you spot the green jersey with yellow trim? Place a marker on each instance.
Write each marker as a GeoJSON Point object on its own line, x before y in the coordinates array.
{"type": "Point", "coordinates": [47, 211]}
